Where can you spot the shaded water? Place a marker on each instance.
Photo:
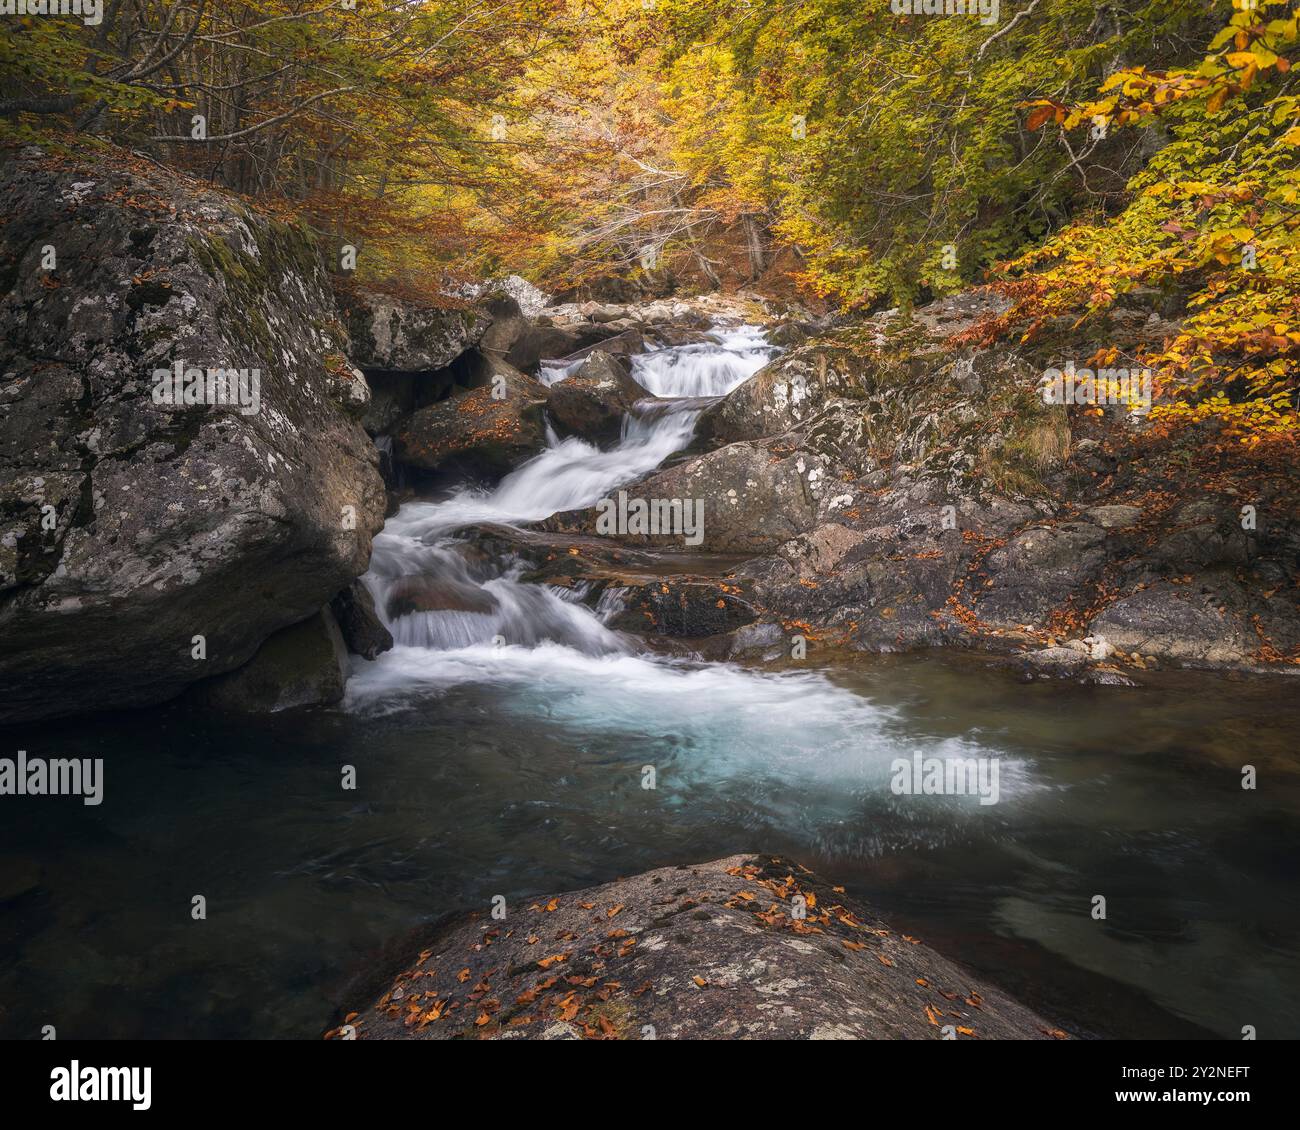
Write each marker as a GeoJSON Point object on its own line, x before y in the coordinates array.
{"type": "Point", "coordinates": [499, 750]}
{"type": "Point", "coordinates": [519, 786]}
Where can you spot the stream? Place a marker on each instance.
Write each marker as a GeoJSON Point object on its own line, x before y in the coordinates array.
{"type": "Point", "coordinates": [500, 747]}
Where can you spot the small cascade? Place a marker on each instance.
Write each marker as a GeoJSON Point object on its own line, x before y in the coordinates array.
{"type": "Point", "coordinates": [434, 595]}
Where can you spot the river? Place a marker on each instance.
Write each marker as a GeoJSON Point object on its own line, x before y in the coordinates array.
{"type": "Point", "coordinates": [500, 748]}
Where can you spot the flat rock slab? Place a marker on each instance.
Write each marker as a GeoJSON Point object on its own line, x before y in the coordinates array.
{"type": "Point", "coordinates": [748, 947]}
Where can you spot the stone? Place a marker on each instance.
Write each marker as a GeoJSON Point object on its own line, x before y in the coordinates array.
{"type": "Point", "coordinates": [709, 951]}
{"type": "Point", "coordinates": [484, 431]}
{"type": "Point", "coordinates": [362, 630]}
{"type": "Point", "coordinates": [593, 401]}
{"type": "Point", "coordinates": [303, 665]}
{"type": "Point", "coordinates": [183, 535]}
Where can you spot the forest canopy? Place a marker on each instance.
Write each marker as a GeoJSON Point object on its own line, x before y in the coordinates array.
{"type": "Point", "coordinates": [871, 154]}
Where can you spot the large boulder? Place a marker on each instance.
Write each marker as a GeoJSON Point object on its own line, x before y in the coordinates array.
{"type": "Point", "coordinates": [593, 401]}
{"type": "Point", "coordinates": [507, 324]}
{"type": "Point", "coordinates": [491, 428]}
{"type": "Point", "coordinates": [743, 948]}
{"type": "Point", "coordinates": [391, 332]}
{"type": "Point", "coordinates": [743, 498]}
{"type": "Point", "coordinates": [784, 393]}
{"type": "Point", "coordinates": [541, 343]}
{"type": "Point", "coordinates": [1215, 621]}
{"type": "Point", "coordinates": [147, 542]}
{"type": "Point", "coordinates": [549, 342]}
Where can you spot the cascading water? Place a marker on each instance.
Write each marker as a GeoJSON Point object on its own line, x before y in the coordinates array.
{"type": "Point", "coordinates": [459, 619]}
{"type": "Point", "coordinates": [418, 560]}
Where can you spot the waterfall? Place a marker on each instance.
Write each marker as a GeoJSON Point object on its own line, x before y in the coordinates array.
{"type": "Point", "coordinates": [435, 595]}
{"type": "Point", "coordinates": [464, 620]}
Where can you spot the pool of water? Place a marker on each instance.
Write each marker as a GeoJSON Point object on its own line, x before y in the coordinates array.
{"type": "Point", "coordinates": [529, 779]}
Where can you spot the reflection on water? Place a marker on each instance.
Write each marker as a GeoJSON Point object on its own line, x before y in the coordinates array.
{"type": "Point", "coordinates": [530, 782]}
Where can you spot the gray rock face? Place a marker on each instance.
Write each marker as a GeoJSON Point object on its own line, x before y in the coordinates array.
{"type": "Point", "coordinates": [541, 343]}
{"type": "Point", "coordinates": [711, 951]}
{"type": "Point", "coordinates": [1191, 625]}
{"type": "Point", "coordinates": [593, 401]}
{"type": "Point", "coordinates": [303, 665]}
{"type": "Point", "coordinates": [1039, 569]}
{"type": "Point", "coordinates": [793, 388]}
{"type": "Point", "coordinates": [506, 324]}
{"type": "Point", "coordinates": [393, 333]}
{"type": "Point", "coordinates": [129, 526]}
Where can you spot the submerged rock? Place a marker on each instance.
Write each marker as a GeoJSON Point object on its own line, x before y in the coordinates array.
{"type": "Point", "coordinates": [149, 539]}
{"type": "Point", "coordinates": [743, 948]}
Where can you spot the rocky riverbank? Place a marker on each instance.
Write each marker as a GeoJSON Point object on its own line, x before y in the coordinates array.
{"type": "Point", "coordinates": [885, 483]}
{"type": "Point", "coordinates": [744, 948]}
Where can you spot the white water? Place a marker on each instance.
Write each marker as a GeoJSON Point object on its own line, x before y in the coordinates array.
{"type": "Point", "coordinates": [549, 657]}
{"type": "Point", "coordinates": [704, 369]}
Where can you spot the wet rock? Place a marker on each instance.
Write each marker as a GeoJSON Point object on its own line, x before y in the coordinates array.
{"type": "Point", "coordinates": [422, 593]}
{"type": "Point", "coordinates": [766, 641]}
{"type": "Point", "coordinates": [491, 428]}
{"type": "Point", "coordinates": [686, 607]}
{"type": "Point", "coordinates": [593, 401]}
{"type": "Point", "coordinates": [304, 665]}
{"type": "Point", "coordinates": [363, 631]}
{"type": "Point", "coordinates": [750, 499]}
{"type": "Point", "coordinates": [712, 951]}
{"type": "Point", "coordinates": [1106, 677]}
{"type": "Point", "coordinates": [127, 527]}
